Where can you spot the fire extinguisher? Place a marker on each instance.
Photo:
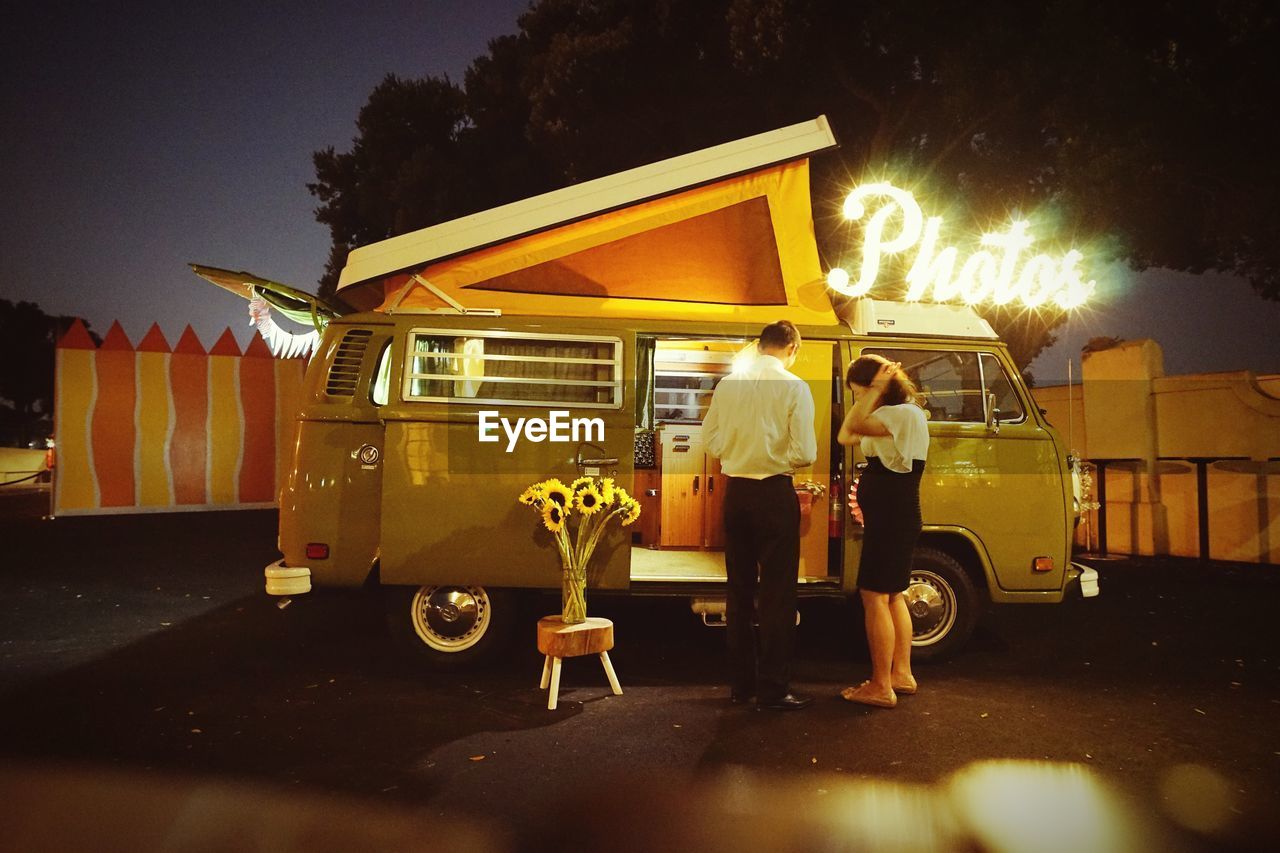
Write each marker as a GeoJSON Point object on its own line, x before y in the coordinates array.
{"type": "Point", "coordinates": [835, 514]}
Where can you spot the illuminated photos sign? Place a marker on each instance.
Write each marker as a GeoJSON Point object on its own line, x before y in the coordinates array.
{"type": "Point", "coordinates": [1001, 272]}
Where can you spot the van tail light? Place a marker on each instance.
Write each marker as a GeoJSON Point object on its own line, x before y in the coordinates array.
{"type": "Point", "coordinates": [317, 551]}
{"type": "Point", "coordinates": [1042, 564]}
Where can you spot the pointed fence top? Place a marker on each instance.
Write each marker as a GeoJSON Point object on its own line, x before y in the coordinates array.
{"type": "Point", "coordinates": [76, 337]}
{"type": "Point", "coordinates": [226, 344]}
{"type": "Point", "coordinates": [257, 348]}
{"type": "Point", "coordinates": [116, 339]}
{"type": "Point", "coordinates": [189, 344]}
{"type": "Point", "coordinates": [153, 340]}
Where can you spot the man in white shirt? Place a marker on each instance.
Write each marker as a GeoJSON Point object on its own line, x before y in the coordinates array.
{"type": "Point", "coordinates": [760, 427]}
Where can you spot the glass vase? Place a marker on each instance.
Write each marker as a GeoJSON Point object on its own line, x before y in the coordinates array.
{"type": "Point", "coordinates": [573, 598]}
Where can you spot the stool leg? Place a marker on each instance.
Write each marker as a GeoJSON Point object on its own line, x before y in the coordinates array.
{"type": "Point", "coordinates": [555, 684]}
{"type": "Point", "coordinates": [613, 676]}
{"type": "Point", "coordinates": [546, 673]}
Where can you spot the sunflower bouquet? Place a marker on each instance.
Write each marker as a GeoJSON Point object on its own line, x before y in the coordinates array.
{"type": "Point", "coordinates": [577, 515]}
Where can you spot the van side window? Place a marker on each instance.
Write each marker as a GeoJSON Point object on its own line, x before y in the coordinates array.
{"type": "Point", "coordinates": [515, 368]}
{"type": "Point", "coordinates": [955, 384]}
{"type": "Point", "coordinates": [950, 381]}
{"type": "Point", "coordinates": [997, 382]}
{"type": "Point", "coordinates": [380, 391]}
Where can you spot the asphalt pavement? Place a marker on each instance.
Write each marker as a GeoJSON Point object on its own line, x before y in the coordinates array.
{"type": "Point", "coordinates": [143, 645]}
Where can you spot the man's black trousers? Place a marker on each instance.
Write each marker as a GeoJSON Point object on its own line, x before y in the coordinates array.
{"type": "Point", "coordinates": [762, 557]}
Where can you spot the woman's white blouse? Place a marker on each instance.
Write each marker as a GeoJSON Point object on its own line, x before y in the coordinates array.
{"type": "Point", "coordinates": [908, 437]}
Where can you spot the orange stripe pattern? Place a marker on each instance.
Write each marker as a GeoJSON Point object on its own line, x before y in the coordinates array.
{"type": "Point", "coordinates": [113, 422]}
{"type": "Point", "coordinates": [149, 430]}
{"type": "Point", "coordinates": [189, 445]}
{"type": "Point", "coordinates": [258, 402]}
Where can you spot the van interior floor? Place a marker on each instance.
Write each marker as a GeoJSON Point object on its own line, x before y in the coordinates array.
{"type": "Point", "coordinates": [650, 564]}
{"type": "Point", "coordinates": [673, 566]}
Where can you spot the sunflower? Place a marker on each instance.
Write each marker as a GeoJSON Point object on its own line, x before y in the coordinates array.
{"type": "Point", "coordinates": [631, 513]}
{"type": "Point", "coordinates": [588, 501]}
{"type": "Point", "coordinates": [607, 490]}
{"type": "Point", "coordinates": [531, 496]}
{"type": "Point", "coordinates": [620, 495]}
{"type": "Point", "coordinates": [553, 518]}
{"type": "Point", "coordinates": [580, 484]}
{"type": "Point", "coordinates": [557, 493]}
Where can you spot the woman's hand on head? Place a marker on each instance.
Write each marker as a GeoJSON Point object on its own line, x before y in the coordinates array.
{"type": "Point", "coordinates": [885, 374]}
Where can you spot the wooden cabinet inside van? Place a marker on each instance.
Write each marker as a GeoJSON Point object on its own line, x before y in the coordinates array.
{"type": "Point", "coordinates": [692, 491]}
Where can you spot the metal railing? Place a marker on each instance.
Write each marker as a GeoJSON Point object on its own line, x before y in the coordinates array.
{"type": "Point", "coordinates": [26, 475]}
{"type": "Point", "coordinates": [1201, 463]}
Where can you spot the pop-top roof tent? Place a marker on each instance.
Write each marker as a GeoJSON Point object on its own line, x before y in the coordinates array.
{"type": "Point", "coordinates": [725, 233]}
{"type": "Point", "coordinates": [722, 234]}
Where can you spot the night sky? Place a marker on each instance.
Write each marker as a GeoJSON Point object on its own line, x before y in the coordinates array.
{"type": "Point", "coordinates": [135, 141]}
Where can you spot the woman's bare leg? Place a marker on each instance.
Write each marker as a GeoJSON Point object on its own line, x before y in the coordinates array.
{"type": "Point", "coordinates": [902, 629]}
{"type": "Point", "coordinates": [880, 639]}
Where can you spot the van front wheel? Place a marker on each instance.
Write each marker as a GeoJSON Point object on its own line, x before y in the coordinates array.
{"type": "Point", "coordinates": [450, 627]}
{"type": "Point", "coordinates": [942, 602]}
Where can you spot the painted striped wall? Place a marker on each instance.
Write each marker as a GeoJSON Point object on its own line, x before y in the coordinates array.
{"type": "Point", "coordinates": [158, 429]}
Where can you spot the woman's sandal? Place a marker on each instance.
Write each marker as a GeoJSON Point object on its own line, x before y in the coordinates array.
{"type": "Point", "coordinates": [905, 689]}
{"type": "Point", "coordinates": [859, 695]}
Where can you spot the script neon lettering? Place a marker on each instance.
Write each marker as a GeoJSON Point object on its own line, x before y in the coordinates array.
{"type": "Point", "coordinates": [999, 272]}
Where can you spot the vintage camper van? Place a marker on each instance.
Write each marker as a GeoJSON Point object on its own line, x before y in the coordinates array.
{"type": "Point", "coordinates": [474, 350]}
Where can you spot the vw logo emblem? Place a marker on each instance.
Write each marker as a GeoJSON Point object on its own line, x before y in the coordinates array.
{"type": "Point", "coordinates": [369, 455]}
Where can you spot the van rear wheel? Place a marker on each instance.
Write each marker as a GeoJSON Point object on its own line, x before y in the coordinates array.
{"type": "Point", "coordinates": [450, 627]}
{"type": "Point", "coordinates": [943, 604]}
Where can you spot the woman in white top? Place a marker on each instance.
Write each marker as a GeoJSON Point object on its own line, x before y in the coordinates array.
{"type": "Point", "coordinates": [888, 421]}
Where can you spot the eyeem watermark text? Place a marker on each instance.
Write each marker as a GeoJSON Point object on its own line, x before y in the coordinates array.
{"type": "Point", "coordinates": [557, 426]}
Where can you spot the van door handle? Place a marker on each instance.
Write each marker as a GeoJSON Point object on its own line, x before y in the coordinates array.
{"type": "Point", "coordinates": [711, 485]}
{"type": "Point", "coordinates": [695, 485]}
{"type": "Point", "coordinates": [599, 462]}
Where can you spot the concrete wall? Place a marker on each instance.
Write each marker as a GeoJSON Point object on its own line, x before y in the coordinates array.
{"type": "Point", "coordinates": [1145, 426]}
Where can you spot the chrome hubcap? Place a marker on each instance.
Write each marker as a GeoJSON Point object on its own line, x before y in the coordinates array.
{"type": "Point", "coordinates": [450, 618]}
{"type": "Point", "coordinates": [932, 604]}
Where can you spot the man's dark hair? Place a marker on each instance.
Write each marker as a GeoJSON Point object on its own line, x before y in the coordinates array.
{"type": "Point", "coordinates": [779, 335]}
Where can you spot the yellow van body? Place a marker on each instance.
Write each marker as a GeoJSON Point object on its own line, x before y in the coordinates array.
{"type": "Point", "coordinates": [395, 486]}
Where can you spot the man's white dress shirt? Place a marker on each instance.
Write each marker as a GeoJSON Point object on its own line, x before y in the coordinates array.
{"type": "Point", "coordinates": [760, 422]}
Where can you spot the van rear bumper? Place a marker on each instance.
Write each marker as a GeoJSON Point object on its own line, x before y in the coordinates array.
{"type": "Point", "coordinates": [287, 580]}
{"type": "Point", "coordinates": [1086, 578]}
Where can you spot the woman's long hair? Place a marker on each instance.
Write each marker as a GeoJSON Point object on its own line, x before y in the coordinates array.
{"type": "Point", "coordinates": [900, 389]}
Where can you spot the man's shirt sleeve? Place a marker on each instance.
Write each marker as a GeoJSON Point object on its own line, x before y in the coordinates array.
{"type": "Point", "coordinates": [712, 435]}
{"type": "Point", "coordinates": [804, 441]}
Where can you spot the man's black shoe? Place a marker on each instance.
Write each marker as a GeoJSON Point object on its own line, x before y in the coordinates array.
{"type": "Point", "coordinates": [790, 702]}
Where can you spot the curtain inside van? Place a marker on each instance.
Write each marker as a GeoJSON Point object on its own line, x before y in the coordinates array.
{"type": "Point", "coordinates": [645, 349]}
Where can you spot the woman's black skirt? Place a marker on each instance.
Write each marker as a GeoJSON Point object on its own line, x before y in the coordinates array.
{"type": "Point", "coordinates": [891, 516]}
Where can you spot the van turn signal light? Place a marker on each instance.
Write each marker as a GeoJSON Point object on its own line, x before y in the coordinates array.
{"type": "Point", "coordinates": [320, 551]}
{"type": "Point", "coordinates": [1042, 564]}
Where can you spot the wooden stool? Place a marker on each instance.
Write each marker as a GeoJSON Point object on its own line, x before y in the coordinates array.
{"type": "Point", "coordinates": [558, 641]}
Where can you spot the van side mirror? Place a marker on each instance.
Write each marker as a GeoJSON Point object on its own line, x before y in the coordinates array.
{"type": "Point", "coordinates": [993, 415]}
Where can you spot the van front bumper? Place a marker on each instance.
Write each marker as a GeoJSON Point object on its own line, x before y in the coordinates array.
{"type": "Point", "coordinates": [1086, 578]}
{"type": "Point", "coordinates": [287, 580]}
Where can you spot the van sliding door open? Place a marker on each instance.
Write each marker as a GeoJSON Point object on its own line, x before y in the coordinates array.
{"type": "Point", "coordinates": [681, 533]}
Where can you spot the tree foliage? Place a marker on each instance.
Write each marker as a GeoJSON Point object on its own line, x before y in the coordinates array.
{"type": "Point", "coordinates": [1144, 130]}
{"type": "Point", "coordinates": [28, 337]}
